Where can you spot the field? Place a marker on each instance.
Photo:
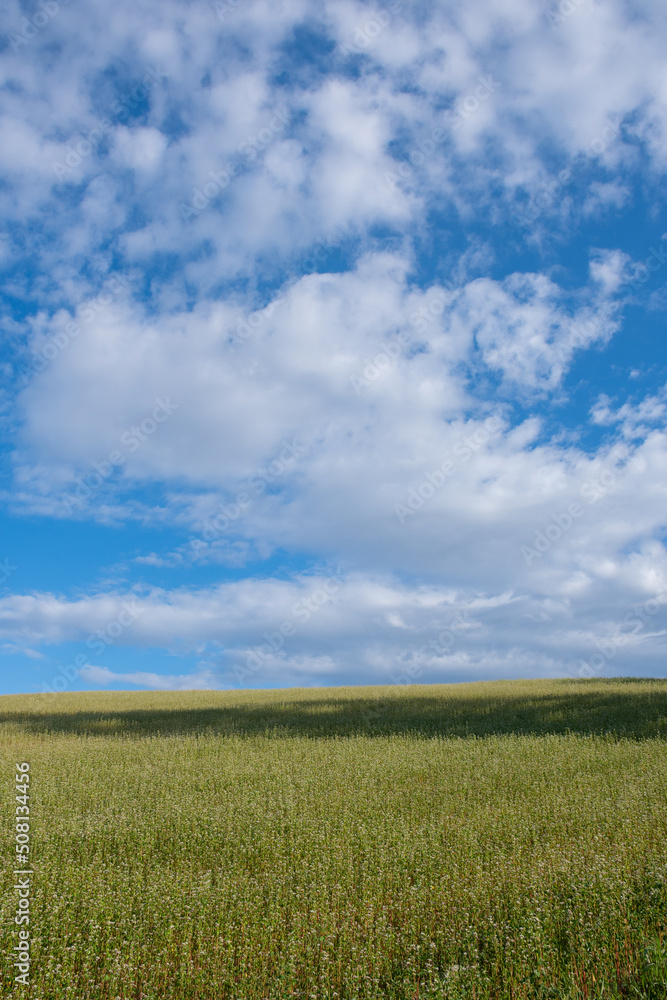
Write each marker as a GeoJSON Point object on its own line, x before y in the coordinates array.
{"type": "Point", "coordinates": [503, 840]}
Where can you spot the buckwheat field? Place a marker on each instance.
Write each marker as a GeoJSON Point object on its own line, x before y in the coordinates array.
{"type": "Point", "coordinates": [504, 840]}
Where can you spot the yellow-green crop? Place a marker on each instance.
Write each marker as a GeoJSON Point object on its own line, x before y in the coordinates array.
{"type": "Point", "coordinates": [479, 841]}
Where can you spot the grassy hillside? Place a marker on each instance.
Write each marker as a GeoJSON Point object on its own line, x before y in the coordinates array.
{"type": "Point", "coordinates": [485, 840]}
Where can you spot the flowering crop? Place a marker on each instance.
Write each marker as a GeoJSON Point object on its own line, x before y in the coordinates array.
{"type": "Point", "coordinates": [497, 841]}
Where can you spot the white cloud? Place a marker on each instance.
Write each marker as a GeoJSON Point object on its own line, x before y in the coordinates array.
{"type": "Point", "coordinates": [140, 148]}
{"type": "Point", "coordinates": [17, 649]}
{"type": "Point", "coordinates": [201, 681]}
{"type": "Point", "coordinates": [338, 629]}
{"type": "Point", "coordinates": [601, 197]}
{"type": "Point", "coordinates": [238, 391]}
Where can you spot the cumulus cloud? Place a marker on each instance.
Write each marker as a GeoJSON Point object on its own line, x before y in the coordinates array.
{"type": "Point", "coordinates": [555, 86]}
{"type": "Point", "coordinates": [350, 355]}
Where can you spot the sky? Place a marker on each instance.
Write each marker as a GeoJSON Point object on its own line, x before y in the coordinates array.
{"type": "Point", "coordinates": [332, 342]}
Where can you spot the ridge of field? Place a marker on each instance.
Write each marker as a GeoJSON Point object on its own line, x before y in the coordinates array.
{"type": "Point", "coordinates": [624, 707]}
{"type": "Point", "coordinates": [491, 840]}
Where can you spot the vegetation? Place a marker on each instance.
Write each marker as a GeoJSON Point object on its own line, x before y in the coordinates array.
{"type": "Point", "coordinates": [479, 841]}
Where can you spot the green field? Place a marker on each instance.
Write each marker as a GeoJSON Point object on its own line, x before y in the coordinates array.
{"type": "Point", "coordinates": [502, 840]}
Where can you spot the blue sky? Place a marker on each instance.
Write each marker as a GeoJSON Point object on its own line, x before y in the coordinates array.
{"type": "Point", "coordinates": [332, 343]}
